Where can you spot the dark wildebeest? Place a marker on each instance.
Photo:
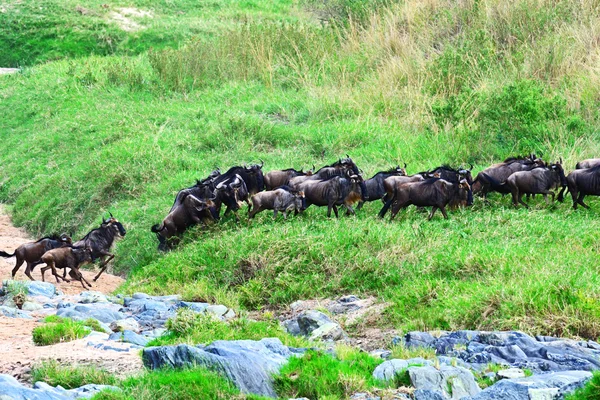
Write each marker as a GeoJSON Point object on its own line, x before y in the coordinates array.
{"type": "Point", "coordinates": [31, 253]}
{"type": "Point", "coordinates": [581, 183]}
{"type": "Point", "coordinates": [390, 184]}
{"type": "Point", "coordinates": [333, 192]}
{"type": "Point", "coordinates": [589, 163]}
{"type": "Point", "coordinates": [454, 176]}
{"type": "Point", "coordinates": [251, 175]}
{"type": "Point", "coordinates": [203, 189]}
{"type": "Point", "coordinates": [232, 193]}
{"type": "Point", "coordinates": [536, 181]}
{"type": "Point", "coordinates": [375, 187]}
{"type": "Point", "coordinates": [500, 172]}
{"type": "Point", "coordinates": [342, 167]}
{"type": "Point", "coordinates": [190, 211]}
{"type": "Point", "coordinates": [282, 199]}
{"type": "Point", "coordinates": [436, 192]}
{"type": "Point", "coordinates": [101, 240]}
{"type": "Point", "coordinates": [67, 257]}
{"type": "Point", "coordinates": [275, 179]}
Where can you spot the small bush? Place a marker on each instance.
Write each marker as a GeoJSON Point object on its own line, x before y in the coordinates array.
{"type": "Point", "coordinates": [70, 377]}
{"type": "Point", "coordinates": [57, 330]}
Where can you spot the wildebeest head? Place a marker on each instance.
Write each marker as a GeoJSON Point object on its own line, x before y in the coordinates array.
{"type": "Point", "coordinates": [557, 167]}
{"type": "Point", "coordinates": [299, 200]}
{"type": "Point", "coordinates": [113, 223]}
{"type": "Point", "coordinates": [357, 180]}
{"type": "Point", "coordinates": [349, 165]}
{"type": "Point", "coordinates": [64, 238]}
{"type": "Point", "coordinates": [82, 254]}
{"type": "Point", "coordinates": [466, 174]}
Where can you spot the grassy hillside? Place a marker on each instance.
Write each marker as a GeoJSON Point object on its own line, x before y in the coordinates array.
{"type": "Point", "coordinates": [219, 83]}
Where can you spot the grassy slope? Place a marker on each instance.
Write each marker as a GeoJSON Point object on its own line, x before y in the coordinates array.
{"type": "Point", "coordinates": [124, 132]}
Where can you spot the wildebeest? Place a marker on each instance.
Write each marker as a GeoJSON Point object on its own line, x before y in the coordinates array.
{"type": "Point", "coordinates": [282, 199]}
{"type": "Point", "coordinates": [501, 171]}
{"type": "Point", "coordinates": [436, 192]}
{"type": "Point", "coordinates": [31, 253]}
{"type": "Point", "coordinates": [375, 187]}
{"type": "Point", "coordinates": [342, 167]}
{"type": "Point", "coordinates": [251, 175]}
{"type": "Point", "coordinates": [536, 181]}
{"type": "Point", "coordinates": [67, 257]}
{"type": "Point", "coordinates": [203, 189]}
{"type": "Point", "coordinates": [390, 184]}
{"type": "Point", "coordinates": [275, 179]}
{"type": "Point", "coordinates": [581, 183]}
{"type": "Point", "coordinates": [101, 240]}
{"type": "Point", "coordinates": [589, 163]}
{"type": "Point", "coordinates": [454, 176]}
{"type": "Point", "coordinates": [333, 192]}
{"type": "Point", "coordinates": [232, 193]}
{"type": "Point", "coordinates": [190, 211]}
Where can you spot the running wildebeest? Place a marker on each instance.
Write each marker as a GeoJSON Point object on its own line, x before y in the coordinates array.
{"type": "Point", "coordinates": [275, 179]}
{"type": "Point", "coordinates": [203, 189]}
{"type": "Point", "coordinates": [251, 175]}
{"type": "Point", "coordinates": [436, 192]}
{"type": "Point", "coordinates": [536, 181]}
{"type": "Point", "coordinates": [581, 183]}
{"type": "Point", "coordinates": [455, 176]}
{"type": "Point", "coordinates": [589, 163]}
{"type": "Point", "coordinates": [67, 257]}
{"type": "Point", "coordinates": [333, 192]}
{"type": "Point", "coordinates": [31, 253]}
{"type": "Point", "coordinates": [101, 240]}
{"type": "Point", "coordinates": [232, 193]}
{"type": "Point", "coordinates": [375, 187]}
{"type": "Point", "coordinates": [501, 171]}
{"type": "Point", "coordinates": [281, 199]}
{"type": "Point", "coordinates": [342, 167]}
{"type": "Point", "coordinates": [390, 184]}
{"type": "Point", "coordinates": [190, 211]}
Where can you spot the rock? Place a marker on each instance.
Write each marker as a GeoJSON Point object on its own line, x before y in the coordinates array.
{"type": "Point", "coordinates": [387, 371]}
{"type": "Point", "coordinates": [364, 396]}
{"type": "Point", "coordinates": [292, 327]}
{"type": "Point", "coordinates": [536, 387]}
{"type": "Point", "coordinates": [310, 320]}
{"type": "Point", "coordinates": [11, 389]}
{"type": "Point", "coordinates": [197, 307]}
{"type": "Point", "coordinates": [137, 296]}
{"type": "Point", "coordinates": [127, 324]}
{"type": "Point", "coordinates": [229, 315]}
{"type": "Point", "coordinates": [92, 297]}
{"type": "Point", "coordinates": [102, 312]}
{"type": "Point", "coordinates": [129, 337]}
{"type": "Point", "coordinates": [9, 302]}
{"type": "Point", "coordinates": [328, 332]}
{"type": "Point", "coordinates": [34, 288]}
{"type": "Point", "coordinates": [218, 310]}
{"type": "Point", "coordinates": [13, 313]}
{"type": "Point", "coordinates": [31, 306]}
{"type": "Point", "coordinates": [249, 364]}
{"type": "Point", "coordinates": [89, 391]}
{"type": "Point", "coordinates": [345, 304]}
{"type": "Point", "coordinates": [381, 353]}
{"type": "Point", "coordinates": [511, 373]}
{"type": "Point", "coordinates": [452, 382]}
{"type": "Point", "coordinates": [421, 394]}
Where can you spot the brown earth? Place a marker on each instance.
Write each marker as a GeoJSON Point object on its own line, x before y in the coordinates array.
{"type": "Point", "coordinates": [17, 350]}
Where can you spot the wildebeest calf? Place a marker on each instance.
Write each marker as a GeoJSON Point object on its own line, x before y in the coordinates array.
{"type": "Point", "coordinates": [67, 257]}
{"type": "Point", "coordinates": [282, 199]}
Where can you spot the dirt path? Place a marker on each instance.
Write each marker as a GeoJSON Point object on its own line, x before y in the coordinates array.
{"type": "Point", "coordinates": [17, 351]}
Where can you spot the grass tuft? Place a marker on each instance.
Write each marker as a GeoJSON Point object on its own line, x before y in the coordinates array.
{"type": "Point", "coordinates": [70, 377]}
{"type": "Point", "coordinates": [57, 330]}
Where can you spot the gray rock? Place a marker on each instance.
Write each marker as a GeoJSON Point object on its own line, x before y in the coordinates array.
{"type": "Point", "coordinates": [452, 382]}
{"type": "Point", "coordinates": [381, 353]}
{"type": "Point", "coordinates": [249, 364]}
{"type": "Point", "coordinates": [387, 370]}
{"type": "Point", "coordinates": [129, 337]}
{"type": "Point", "coordinates": [310, 320]}
{"type": "Point", "coordinates": [11, 389]}
{"type": "Point", "coordinates": [292, 327]}
{"type": "Point", "coordinates": [31, 306]}
{"type": "Point", "coordinates": [511, 373]}
{"type": "Point", "coordinates": [92, 297]}
{"type": "Point", "coordinates": [537, 386]}
{"type": "Point", "coordinates": [89, 391]}
{"type": "Point", "coordinates": [13, 313]}
{"type": "Point", "coordinates": [345, 304]}
{"type": "Point", "coordinates": [328, 332]}
{"type": "Point", "coordinates": [102, 312]}
{"type": "Point", "coordinates": [41, 289]}
{"type": "Point", "coordinates": [422, 394]}
{"type": "Point", "coordinates": [194, 306]}
{"type": "Point", "coordinates": [127, 324]}
{"type": "Point", "coordinates": [218, 310]}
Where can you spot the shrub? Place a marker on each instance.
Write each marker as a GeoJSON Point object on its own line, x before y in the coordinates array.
{"type": "Point", "coordinates": [70, 377]}
{"type": "Point", "coordinates": [57, 330]}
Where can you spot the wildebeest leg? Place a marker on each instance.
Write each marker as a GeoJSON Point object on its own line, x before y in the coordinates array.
{"type": "Point", "coordinates": [284, 215]}
{"type": "Point", "coordinates": [521, 200]}
{"type": "Point", "coordinates": [349, 210]}
{"type": "Point", "coordinates": [16, 268]}
{"type": "Point", "coordinates": [433, 210]}
{"type": "Point", "coordinates": [335, 210]}
{"type": "Point", "coordinates": [275, 214]}
{"type": "Point", "coordinates": [386, 207]}
{"type": "Point", "coordinates": [360, 205]}
{"type": "Point", "coordinates": [28, 269]}
{"type": "Point", "coordinates": [78, 276]}
{"type": "Point", "coordinates": [580, 200]}
{"type": "Point", "coordinates": [104, 263]}
{"type": "Point", "coordinates": [443, 210]}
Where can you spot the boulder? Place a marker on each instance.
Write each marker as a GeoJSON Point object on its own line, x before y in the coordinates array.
{"type": "Point", "coordinates": [388, 370]}
{"type": "Point", "coordinates": [217, 310]}
{"type": "Point", "coordinates": [292, 327]}
{"type": "Point", "coordinates": [37, 288]}
{"type": "Point", "coordinates": [92, 297]}
{"type": "Point", "coordinates": [102, 312]}
{"type": "Point", "coordinates": [194, 306]}
{"type": "Point", "coordinates": [310, 320]}
{"type": "Point", "coordinates": [328, 332]}
{"type": "Point", "coordinates": [11, 389]}
{"type": "Point", "coordinates": [345, 304]}
{"type": "Point", "coordinates": [536, 387]}
{"type": "Point", "coordinates": [129, 337]}
{"type": "Point", "coordinates": [452, 382]}
{"type": "Point", "coordinates": [127, 324]}
{"type": "Point", "coordinates": [13, 313]}
{"type": "Point", "coordinates": [511, 373]}
{"type": "Point", "coordinates": [249, 364]}
{"type": "Point", "coordinates": [31, 306]}
{"type": "Point", "coordinates": [422, 394]}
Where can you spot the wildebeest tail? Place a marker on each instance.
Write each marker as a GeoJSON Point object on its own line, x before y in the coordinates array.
{"type": "Point", "coordinates": [157, 228]}
{"type": "Point", "coordinates": [494, 184]}
{"type": "Point", "coordinates": [6, 255]}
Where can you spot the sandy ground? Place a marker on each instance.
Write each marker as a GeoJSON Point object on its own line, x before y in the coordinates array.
{"type": "Point", "coordinates": [17, 350]}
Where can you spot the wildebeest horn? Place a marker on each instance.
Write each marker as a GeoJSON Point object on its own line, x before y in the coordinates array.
{"type": "Point", "coordinates": [560, 160]}
{"type": "Point", "coordinates": [404, 165]}
{"type": "Point", "coordinates": [347, 156]}
{"type": "Point", "coordinates": [470, 167]}
{"type": "Point", "coordinates": [110, 214]}
{"type": "Point", "coordinates": [262, 163]}
{"type": "Point", "coordinates": [313, 167]}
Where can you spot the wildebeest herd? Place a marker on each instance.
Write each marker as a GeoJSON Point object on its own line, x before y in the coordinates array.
{"type": "Point", "coordinates": [339, 184]}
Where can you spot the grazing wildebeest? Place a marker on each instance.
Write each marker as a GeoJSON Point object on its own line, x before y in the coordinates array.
{"type": "Point", "coordinates": [536, 181]}
{"type": "Point", "coordinates": [101, 240]}
{"type": "Point", "coordinates": [375, 187]}
{"type": "Point", "coordinates": [500, 172]}
{"type": "Point", "coordinates": [390, 184]}
{"type": "Point", "coordinates": [232, 193]}
{"type": "Point", "coordinates": [589, 163]}
{"type": "Point", "coordinates": [342, 167]}
{"type": "Point", "coordinates": [67, 257]}
{"type": "Point", "coordinates": [581, 183]}
{"type": "Point", "coordinates": [275, 179]}
{"type": "Point", "coordinates": [333, 192]}
{"type": "Point", "coordinates": [282, 199]}
{"type": "Point", "coordinates": [31, 253]}
{"type": "Point", "coordinates": [436, 192]}
{"type": "Point", "coordinates": [190, 211]}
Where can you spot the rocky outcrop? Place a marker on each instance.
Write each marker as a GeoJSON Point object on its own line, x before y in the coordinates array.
{"type": "Point", "coordinates": [450, 382]}
{"type": "Point", "coordinates": [315, 325]}
{"type": "Point", "coordinates": [11, 389]}
{"type": "Point", "coordinates": [248, 364]}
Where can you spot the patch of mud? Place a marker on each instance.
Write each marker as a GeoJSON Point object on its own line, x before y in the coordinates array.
{"type": "Point", "coordinates": [125, 18]}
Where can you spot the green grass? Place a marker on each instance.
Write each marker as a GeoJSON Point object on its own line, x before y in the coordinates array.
{"type": "Point", "coordinates": [234, 82]}
{"type": "Point", "coordinates": [175, 385]}
{"type": "Point", "coordinates": [193, 328]}
{"type": "Point", "coordinates": [591, 391]}
{"type": "Point", "coordinates": [70, 377]}
{"type": "Point", "coordinates": [58, 330]}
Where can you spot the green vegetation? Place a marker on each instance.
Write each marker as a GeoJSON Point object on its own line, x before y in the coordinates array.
{"type": "Point", "coordinates": [319, 375]}
{"type": "Point", "coordinates": [219, 83]}
{"type": "Point", "coordinates": [58, 329]}
{"type": "Point", "coordinates": [17, 291]}
{"type": "Point", "coordinates": [193, 328]}
{"type": "Point", "coordinates": [70, 377]}
{"type": "Point", "coordinates": [591, 391]}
